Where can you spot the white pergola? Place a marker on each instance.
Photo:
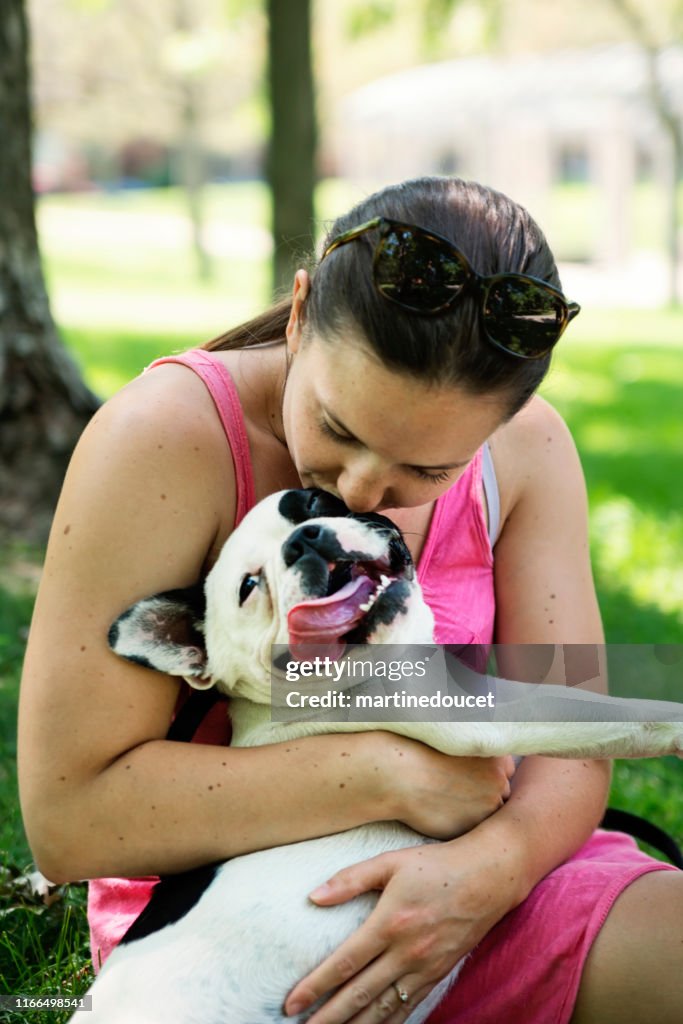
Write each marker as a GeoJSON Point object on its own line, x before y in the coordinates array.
{"type": "Point", "coordinates": [507, 122]}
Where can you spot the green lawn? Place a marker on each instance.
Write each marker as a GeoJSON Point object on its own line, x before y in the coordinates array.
{"type": "Point", "coordinates": [618, 383]}
{"type": "Point", "coordinates": [123, 285]}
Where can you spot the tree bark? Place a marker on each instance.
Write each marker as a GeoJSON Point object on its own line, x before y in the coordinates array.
{"type": "Point", "coordinates": [44, 404]}
{"type": "Point", "coordinates": [292, 151]}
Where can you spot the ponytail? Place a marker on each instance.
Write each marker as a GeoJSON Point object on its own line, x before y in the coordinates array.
{"type": "Point", "coordinates": [267, 327]}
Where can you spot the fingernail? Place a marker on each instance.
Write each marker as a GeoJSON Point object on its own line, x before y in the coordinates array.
{"type": "Point", "coordinates": [322, 890]}
{"type": "Point", "coordinates": [294, 1008]}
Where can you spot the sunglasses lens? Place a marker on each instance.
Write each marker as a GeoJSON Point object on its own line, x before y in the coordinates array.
{"type": "Point", "coordinates": [418, 271]}
{"type": "Point", "coordinates": [523, 317]}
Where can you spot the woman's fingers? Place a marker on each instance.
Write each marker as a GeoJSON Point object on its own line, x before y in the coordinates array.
{"type": "Point", "coordinates": [404, 1009]}
{"type": "Point", "coordinates": [352, 881]}
{"type": "Point", "coordinates": [360, 949]}
{"type": "Point", "coordinates": [389, 1007]}
{"type": "Point", "coordinates": [346, 963]}
{"type": "Point", "coordinates": [373, 996]}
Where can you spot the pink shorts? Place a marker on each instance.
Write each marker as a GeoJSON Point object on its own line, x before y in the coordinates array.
{"type": "Point", "coordinates": [529, 966]}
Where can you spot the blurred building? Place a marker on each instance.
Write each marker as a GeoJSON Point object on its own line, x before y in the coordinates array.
{"type": "Point", "coordinates": [520, 124]}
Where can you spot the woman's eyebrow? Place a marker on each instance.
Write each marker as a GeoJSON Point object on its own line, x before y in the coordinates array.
{"type": "Point", "coordinates": [448, 465]}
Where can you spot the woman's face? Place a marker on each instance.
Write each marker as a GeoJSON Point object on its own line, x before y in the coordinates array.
{"type": "Point", "coordinates": [376, 438]}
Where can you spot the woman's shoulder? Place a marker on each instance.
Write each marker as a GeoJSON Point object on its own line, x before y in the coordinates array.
{"type": "Point", "coordinates": [168, 397]}
{"type": "Point", "coordinates": [532, 450]}
{"type": "Point", "coordinates": [536, 422]}
{"type": "Point", "coordinates": [154, 456]}
{"type": "Point", "coordinates": [166, 418]}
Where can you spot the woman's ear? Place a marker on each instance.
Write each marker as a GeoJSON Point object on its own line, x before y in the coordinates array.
{"type": "Point", "coordinates": [302, 286]}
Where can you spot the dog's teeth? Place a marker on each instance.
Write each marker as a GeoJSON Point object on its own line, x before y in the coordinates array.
{"type": "Point", "coordinates": [384, 582]}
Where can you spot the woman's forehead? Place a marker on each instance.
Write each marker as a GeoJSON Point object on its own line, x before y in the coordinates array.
{"type": "Point", "coordinates": [385, 408]}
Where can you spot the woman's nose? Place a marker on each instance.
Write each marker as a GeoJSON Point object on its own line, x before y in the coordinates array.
{"type": "Point", "coordinates": [362, 489]}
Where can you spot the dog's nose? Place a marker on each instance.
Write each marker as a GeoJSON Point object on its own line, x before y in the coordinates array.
{"type": "Point", "coordinates": [310, 540]}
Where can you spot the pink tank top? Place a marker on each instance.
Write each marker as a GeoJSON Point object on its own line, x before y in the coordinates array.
{"type": "Point", "coordinates": [455, 571]}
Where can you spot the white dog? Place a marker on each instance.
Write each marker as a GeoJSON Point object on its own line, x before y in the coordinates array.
{"type": "Point", "coordinates": [300, 571]}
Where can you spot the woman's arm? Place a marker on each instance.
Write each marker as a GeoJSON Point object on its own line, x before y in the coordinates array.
{"type": "Point", "coordinates": [147, 503]}
{"type": "Point", "coordinates": [149, 494]}
{"type": "Point", "coordinates": [545, 595]}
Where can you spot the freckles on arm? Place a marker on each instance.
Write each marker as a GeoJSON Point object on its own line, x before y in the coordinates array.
{"type": "Point", "coordinates": [548, 629]}
{"type": "Point", "coordinates": [543, 576]}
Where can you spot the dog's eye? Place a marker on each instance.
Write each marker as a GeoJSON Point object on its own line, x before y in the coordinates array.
{"type": "Point", "coordinates": [248, 584]}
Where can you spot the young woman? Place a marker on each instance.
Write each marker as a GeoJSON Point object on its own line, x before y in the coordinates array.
{"type": "Point", "coordinates": [400, 377]}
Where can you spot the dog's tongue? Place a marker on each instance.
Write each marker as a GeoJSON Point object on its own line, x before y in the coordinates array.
{"type": "Point", "coordinates": [323, 620]}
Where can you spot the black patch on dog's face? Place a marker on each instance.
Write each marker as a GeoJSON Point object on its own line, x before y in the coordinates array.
{"type": "Point", "coordinates": [310, 503]}
{"type": "Point", "coordinates": [172, 898]}
{"type": "Point", "coordinates": [310, 550]}
{"type": "Point", "coordinates": [383, 612]}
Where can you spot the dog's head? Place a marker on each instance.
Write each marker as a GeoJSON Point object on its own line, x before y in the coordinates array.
{"type": "Point", "coordinates": [300, 571]}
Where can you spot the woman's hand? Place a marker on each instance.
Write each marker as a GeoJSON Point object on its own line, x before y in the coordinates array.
{"type": "Point", "coordinates": [441, 796]}
{"type": "Point", "coordinates": [438, 901]}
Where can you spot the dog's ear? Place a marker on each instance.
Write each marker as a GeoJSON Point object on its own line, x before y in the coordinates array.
{"type": "Point", "coordinates": [165, 632]}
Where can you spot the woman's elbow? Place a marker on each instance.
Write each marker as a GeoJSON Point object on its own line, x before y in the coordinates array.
{"type": "Point", "coordinates": [56, 842]}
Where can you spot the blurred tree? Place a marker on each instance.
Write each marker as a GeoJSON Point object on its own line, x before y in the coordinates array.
{"type": "Point", "coordinates": [293, 136]}
{"type": "Point", "coordinates": [187, 59]}
{"type": "Point", "coordinates": [435, 22]}
{"type": "Point", "coordinates": [648, 34]}
{"type": "Point", "coordinates": [44, 404]}
{"type": "Point", "coordinates": [437, 15]}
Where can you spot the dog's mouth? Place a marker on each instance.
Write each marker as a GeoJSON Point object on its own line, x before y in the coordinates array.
{"type": "Point", "coordinates": [357, 595]}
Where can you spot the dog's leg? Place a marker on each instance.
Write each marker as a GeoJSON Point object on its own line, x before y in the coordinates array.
{"type": "Point", "coordinates": [579, 728]}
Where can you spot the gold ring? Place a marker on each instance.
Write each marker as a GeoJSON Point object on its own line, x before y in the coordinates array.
{"type": "Point", "coordinates": [400, 992]}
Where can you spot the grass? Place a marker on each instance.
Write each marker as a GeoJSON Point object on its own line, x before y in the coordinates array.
{"type": "Point", "coordinates": [43, 946]}
{"type": "Point", "coordinates": [124, 289]}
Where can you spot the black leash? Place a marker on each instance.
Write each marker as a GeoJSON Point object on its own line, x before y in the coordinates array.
{"type": "Point", "coordinates": [617, 820]}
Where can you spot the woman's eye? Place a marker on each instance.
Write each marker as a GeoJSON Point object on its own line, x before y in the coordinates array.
{"type": "Point", "coordinates": [332, 433]}
{"type": "Point", "coordinates": [248, 584]}
{"type": "Point", "coordinates": [436, 478]}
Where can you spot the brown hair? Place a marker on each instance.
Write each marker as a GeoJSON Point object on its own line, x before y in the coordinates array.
{"type": "Point", "coordinates": [496, 235]}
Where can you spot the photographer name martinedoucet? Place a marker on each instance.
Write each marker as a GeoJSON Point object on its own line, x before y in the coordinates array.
{"type": "Point", "coordinates": [399, 699]}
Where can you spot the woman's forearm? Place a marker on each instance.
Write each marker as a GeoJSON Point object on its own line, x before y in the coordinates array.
{"type": "Point", "coordinates": [554, 807]}
{"type": "Point", "coordinates": [167, 807]}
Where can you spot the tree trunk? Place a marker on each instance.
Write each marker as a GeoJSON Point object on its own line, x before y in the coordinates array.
{"type": "Point", "coordinates": [291, 157]}
{"type": "Point", "coordinates": [44, 404]}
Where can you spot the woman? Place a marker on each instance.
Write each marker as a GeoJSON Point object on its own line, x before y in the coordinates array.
{"type": "Point", "coordinates": [399, 380]}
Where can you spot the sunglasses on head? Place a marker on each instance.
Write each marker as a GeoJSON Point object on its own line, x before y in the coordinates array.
{"type": "Point", "coordinates": [425, 273]}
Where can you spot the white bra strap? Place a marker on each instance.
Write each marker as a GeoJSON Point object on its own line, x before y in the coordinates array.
{"type": "Point", "coordinates": [490, 484]}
